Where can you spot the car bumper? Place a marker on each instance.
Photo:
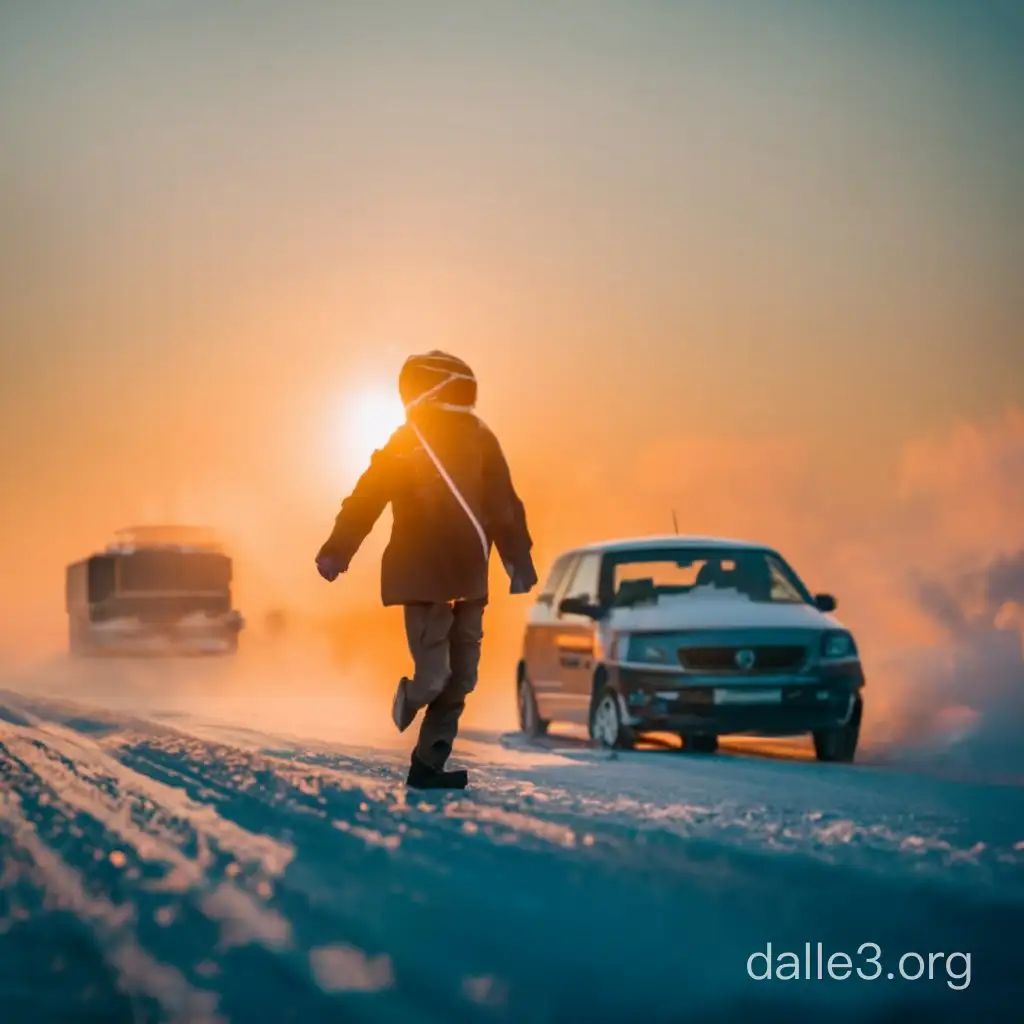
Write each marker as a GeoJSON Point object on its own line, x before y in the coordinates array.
{"type": "Point", "coordinates": [783, 705]}
{"type": "Point", "coordinates": [163, 644]}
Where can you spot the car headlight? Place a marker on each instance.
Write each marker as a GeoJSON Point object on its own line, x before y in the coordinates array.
{"type": "Point", "coordinates": [650, 650]}
{"type": "Point", "coordinates": [838, 645]}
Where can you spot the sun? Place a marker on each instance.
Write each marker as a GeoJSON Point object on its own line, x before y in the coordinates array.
{"type": "Point", "coordinates": [370, 415]}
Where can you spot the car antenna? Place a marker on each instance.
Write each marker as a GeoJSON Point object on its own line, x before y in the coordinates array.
{"type": "Point", "coordinates": [675, 522]}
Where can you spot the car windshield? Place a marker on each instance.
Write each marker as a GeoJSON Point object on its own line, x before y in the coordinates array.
{"type": "Point", "coordinates": [185, 572]}
{"type": "Point", "coordinates": [644, 576]}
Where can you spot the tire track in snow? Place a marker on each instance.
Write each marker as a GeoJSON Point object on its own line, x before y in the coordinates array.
{"type": "Point", "coordinates": [155, 836]}
{"type": "Point", "coordinates": [95, 762]}
{"type": "Point", "coordinates": [112, 924]}
{"type": "Point", "coordinates": [68, 798]}
{"type": "Point", "coordinates": [604, 811]}
{"type": "Point", "coordinates": [494, 905]}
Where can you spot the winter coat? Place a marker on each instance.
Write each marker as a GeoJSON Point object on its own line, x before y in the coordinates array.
{"type": "Point", "coordinates": [435, 553]}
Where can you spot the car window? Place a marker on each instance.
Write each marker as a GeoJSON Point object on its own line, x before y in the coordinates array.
{"type": "Point", "coordinates": [586, 578]}
{"type": "Point", "coordinates": [782, 587]}
{"type": "Point", "coordinates": [102, 577]}
{"type": "Point", "coordinates": [550, 587]}
{"type": "Point", "coordinates": [640, 575]}
{"type": "Point", "coordinates": [664, 573]}
{"type": "Point", "coordinates": [632, 581]}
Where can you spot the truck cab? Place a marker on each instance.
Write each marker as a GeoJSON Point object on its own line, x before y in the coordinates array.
{"type": "Point", "coordinates": [153, 590]}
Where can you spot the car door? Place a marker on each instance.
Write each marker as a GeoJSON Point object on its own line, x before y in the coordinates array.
{"type": "Point", "coordinates": [576, 640]}
{"type": "Point", "coordinates": [540, 652]}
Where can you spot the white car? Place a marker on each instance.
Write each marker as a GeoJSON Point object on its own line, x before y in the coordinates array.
{"type": "Point", "coordinates": [693, 635]}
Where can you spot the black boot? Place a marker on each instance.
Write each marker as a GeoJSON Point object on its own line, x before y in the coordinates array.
{"type": "Point", "coordinates": [423, 776]}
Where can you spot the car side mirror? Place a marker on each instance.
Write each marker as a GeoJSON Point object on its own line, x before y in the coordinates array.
{"type": "Point", "coordinates": [824, 602]}
{"type": "Point", "coordinates": [579, 606]}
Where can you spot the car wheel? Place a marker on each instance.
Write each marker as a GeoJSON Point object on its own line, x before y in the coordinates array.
{"type": "Point", "coordinates": [530, 722]}
{"type": "Point", "coordinates": [840, 744]}
{"type": "Point", "coordinates": [606, 725]}
{"type": "Point", "coordinates": [699, 742]}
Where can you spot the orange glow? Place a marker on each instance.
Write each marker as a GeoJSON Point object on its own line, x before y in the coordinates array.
{"type": "Point", "coordinates": [369, 416]}
{"type": "Point", "coordinates": [737, 289]}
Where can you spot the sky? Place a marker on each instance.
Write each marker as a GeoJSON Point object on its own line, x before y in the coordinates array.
{"type": "Point", "coordinates": [758, 261]}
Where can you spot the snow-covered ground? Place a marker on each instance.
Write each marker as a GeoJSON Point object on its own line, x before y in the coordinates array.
{"type": "Point", "coordinates": [161, 865]}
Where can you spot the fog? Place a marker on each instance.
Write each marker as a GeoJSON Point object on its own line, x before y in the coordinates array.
{"type": "Point", "coordinates": [929, 574]}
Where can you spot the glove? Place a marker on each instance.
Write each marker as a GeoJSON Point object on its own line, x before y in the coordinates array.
{"type": "Point", "coordinates": [520, 585]}
{"type": "Point", "coordinates": [522, 582]}
{"type": "Point", "coordinates": [329, 568]}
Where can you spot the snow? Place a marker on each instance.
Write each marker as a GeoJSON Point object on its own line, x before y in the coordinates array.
{"type": "Point", "coordinates": [346, 969]}
{"type": "Point", "coordinates": [116, 627]}
{"type": "Point", "coordinates": [672, 540]}
{"type": "Point", "coordinates": [199, 872]}
{"type": "Point", "coordinates": [165, 537]}
{"type": "Point", "coordinates": [201, 621]}
{"type": "Point", "coordinates": [717, 608]}
{"type": "Point", "coordinates": [197, 631]}
{"type": "Point", "coordinates": [181, 549]}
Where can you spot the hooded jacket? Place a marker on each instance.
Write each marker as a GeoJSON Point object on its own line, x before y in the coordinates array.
{"type": "Point", "coordinates": [435, 553]}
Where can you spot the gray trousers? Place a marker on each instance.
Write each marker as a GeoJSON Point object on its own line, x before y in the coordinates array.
{"type": "Point", "coordinates": [444, 641]}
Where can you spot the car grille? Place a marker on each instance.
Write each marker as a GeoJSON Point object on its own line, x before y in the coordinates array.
{"type": "Point", "coordinates": [767, 658]}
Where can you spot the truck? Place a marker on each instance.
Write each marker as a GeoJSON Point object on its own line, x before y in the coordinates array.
{"type": "Point", "coordinates": [154, 590]}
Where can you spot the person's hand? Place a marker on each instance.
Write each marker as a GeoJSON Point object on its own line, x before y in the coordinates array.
{"type": "Point", "coordinates": [522, 582]}
{"type": "Point", "coordinates": [329, 568]}
{"type": "Point", "coordinates": [520, 585]}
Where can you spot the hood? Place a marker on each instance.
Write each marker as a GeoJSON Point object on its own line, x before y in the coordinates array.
{"type": "Point", "coordinates": [724, 610]}
{"type": "Point", "coordinates": [437, 379]}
